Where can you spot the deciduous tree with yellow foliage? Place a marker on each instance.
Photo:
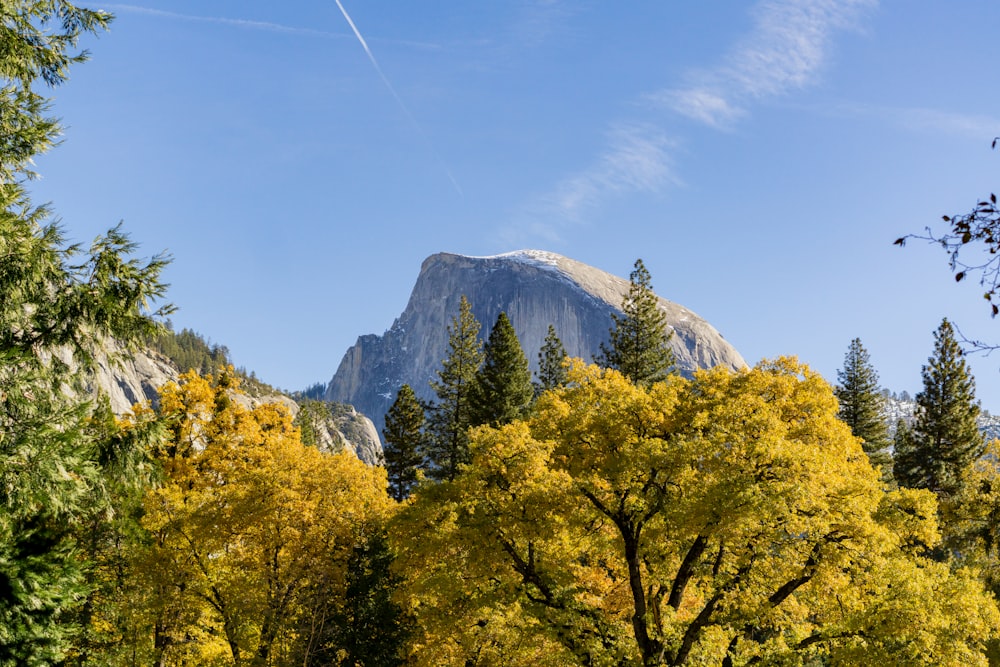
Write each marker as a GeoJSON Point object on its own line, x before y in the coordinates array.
{"type": "Point", "coordinates": [730, 519]}
{"type": "Point", "coordinates": [248, 526]}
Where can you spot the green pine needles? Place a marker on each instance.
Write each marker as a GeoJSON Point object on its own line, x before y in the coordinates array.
{"type": "Point", "coordinates": [945, 439]}
{"type": "Point", "coordinates": [639, 344]}
{"type": "Point", "coordinates": [862, 406]}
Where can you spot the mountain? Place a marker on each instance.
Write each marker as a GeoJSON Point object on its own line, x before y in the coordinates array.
{"type": "Point", "coordinates": [897, 408]}
{"type": "Point", "coordinates": [127, 378]}
{"type": "Point", "coordinates": [535, 289]}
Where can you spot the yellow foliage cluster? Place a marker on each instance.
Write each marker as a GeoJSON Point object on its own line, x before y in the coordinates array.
{"type": "Point", "coordinates": [727, 519]}
{"type": "Point", "coordinates": [246, 526]}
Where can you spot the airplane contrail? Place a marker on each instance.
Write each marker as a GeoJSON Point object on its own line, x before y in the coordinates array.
{"type": "Point", "coordinates": [399, 100]}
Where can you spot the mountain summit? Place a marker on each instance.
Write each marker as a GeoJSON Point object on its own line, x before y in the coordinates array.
{"type": "Point", "coordinates": [535, 289]}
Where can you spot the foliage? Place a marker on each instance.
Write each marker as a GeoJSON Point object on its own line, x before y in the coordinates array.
{"type": "Point", "coordinates": [502, 391]}
{"type": "Point", "coordinates": [447, 444]}
{"type": "Point", "coordinates": [316, 392]}
{"type": "Point", "coordinates": [60, 302]}
{"type": "Point", "coordinates": [370, 628]}
{"type": "Point", "coordinates": [639, 345]}
{"type": "Point", "coordinates": [945, 438]}
{"type": "Point", "coordinates": [310, 420]}
{"type": "Point", "coordinates": [189, 350]}
{"type": "Point", "coordinates": [250, 531]}
{"type": "Point", "coordinates": [729, 519]}
{"type": "Point", "coordinates": [551, 363]}
{"type": "Point", "coordinates": [404, 437]}
{"type": "Point", "coordinates": [862, 406]}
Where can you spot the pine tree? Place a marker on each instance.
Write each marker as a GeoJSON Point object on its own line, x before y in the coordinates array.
{"type": "Point", "coordinates": [906, 463]}
{"type": "Point", "coordinates": [639, 345]}
{"type": "Point", "coordinates": [503, 390]}
{"type": "Point", "coordinates": [403, 434]}
{"type": "Point", "coordinates": [58, 303]}
{"type": "Point", "coordinates": [862, 405]}
{"type": "Point", "coordinates": [946, 438]}
{"type": "Point", "coordinates": [447, 445]}
{"type": "Point", "coordinates": [551, 371]}
{"type": "Point", "coordinates": [370, 629]}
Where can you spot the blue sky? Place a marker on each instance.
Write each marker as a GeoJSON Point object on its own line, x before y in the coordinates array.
{"type": "Point", "coordinates": [759, 157]}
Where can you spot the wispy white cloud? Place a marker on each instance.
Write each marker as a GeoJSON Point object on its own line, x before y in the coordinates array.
{"type": "Point", "coordinates": [786, 50]}
{"type": "Point", "coordinates": [637, 160]}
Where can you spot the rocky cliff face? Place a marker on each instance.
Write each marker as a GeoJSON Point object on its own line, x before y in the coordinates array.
{"type": "Point", "coordinates": [138, 376]}
{"type": "Point", "coordinates": [535, 289]}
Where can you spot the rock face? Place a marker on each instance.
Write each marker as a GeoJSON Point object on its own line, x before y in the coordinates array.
{"type": "Point", "coordinates": [535, 289]}
{"type": "Point", "coordinates": [135, 377]}
{"type": "Point", "coordinates": [138, 376]}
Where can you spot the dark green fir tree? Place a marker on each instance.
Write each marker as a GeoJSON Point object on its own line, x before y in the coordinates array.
{"type": "Point", "coordinates": [403, 432]}
{"type": "Point", "coordinates": [639, 344]}
{"type": "Point", "coordinates": [447, 445]}
{"type": "Point", "coordinates": [56, 301]}
{"type": "Point", "coordinates": [945, 436]}
{"type": "Point", "coordinates": [862, 405]}
{"type": "Point", "coordinates": [366, 627]}
{"type": "Point", "coordinates": [551, 369]}
{"type": "Point", "coordinates": [503, 389]}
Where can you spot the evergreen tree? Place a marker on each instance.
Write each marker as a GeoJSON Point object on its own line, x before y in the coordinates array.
{"type": "Point", "coordinates": [862, 405]}
{"type": "Point", "coordinates": [370, 629]}
{"type": "Point", "coordinates": [906, 464]}
{"type": "Point", "coordinates": [503, 390]}
{"type": "Point", "coordinates": [447, 445]}
{"type": "Point", "coordinates": [403, 434]}
{"type": "Point", "coordinates": [946, 438]}
{"type": "Point", "coordinates": [551, 371]}
{"type": "Point", "coordinates": [58, 303]}
{"type": "Point", "coordinates": [639, 345]}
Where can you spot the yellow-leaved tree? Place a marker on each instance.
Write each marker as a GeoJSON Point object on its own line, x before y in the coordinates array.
{"type": "Point", "coordinates": [729, 519]}
{"type": "Point", "coordinates": [249, 534]}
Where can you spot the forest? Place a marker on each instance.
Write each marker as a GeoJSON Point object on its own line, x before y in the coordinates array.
{"type": "Point", "coordinates": [604, 513]}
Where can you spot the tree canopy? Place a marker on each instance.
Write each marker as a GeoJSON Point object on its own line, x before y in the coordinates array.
{"type": "Point", "coordinates": [730, 519]}
{"type": "Point", "coordinates": [60, 303]}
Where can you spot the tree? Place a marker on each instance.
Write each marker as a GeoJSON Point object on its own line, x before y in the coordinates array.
{"type": "Point", "coordinates": [946, 439]}
{"type": "Point", "coordinates": [862, 406]}
{"type": "Point", "coordinates": [731, 519]}
{"type": "Point", "coordinates": [639, 345]}
{"type": "Point", "coordinates": [551, 363]}
{"type": "Point", "coordinates": [370, 628]}
{"type": "Point", "coordinates": [59, 305]}
{"type": "Point", "coordinates": [404, 440]}
{"type": "Point", "coordinates": [447, 444]}
{"type": "Point", "coordinates": [249, 531]}
{"type": "Point", "coordinates": [906, 460]}
{"type": "Point", "coordinates": [503, 389]}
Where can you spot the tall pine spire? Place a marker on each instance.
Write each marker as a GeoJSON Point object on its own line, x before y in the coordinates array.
{"type": "Point", "coordinates": [503, 388]}
{"type": "Point", "coordinates": [639, 344]}
{"type": "Point", "coordinates": [404, 439]}
{"type": "Point", "coordinates": [447, 446]}
{"type": "Point", "coordinates": [862, 406]}
{"type": "Point", "coordinates": [551, 371]}
{"type": "Point", "coordinates": [945, 438]}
